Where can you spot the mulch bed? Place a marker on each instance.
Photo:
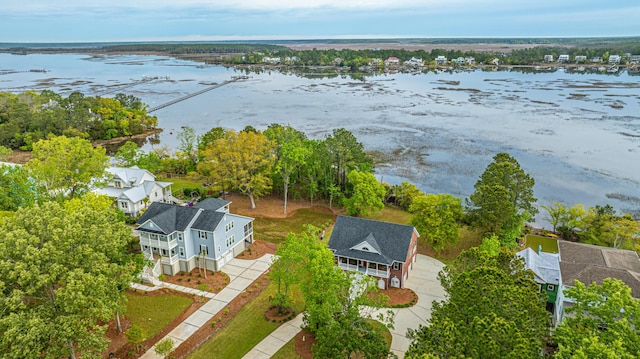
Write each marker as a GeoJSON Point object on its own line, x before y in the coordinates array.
{"type": "Point", "coordinates": [257, 249]}
{"type": "Point", "coordinates": [304, 342]}
{"type": "Point", "coordinates": [399, 297]}
{"type": "Point", "coordinates": [214, 282]}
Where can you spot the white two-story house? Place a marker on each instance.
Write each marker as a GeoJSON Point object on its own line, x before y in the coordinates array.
{"type": "Point", "coordinates": [187, 237]}
{"type": "Point", "coordinates": [135, 188]}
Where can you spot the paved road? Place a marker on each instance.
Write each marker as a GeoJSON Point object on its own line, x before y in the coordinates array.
{"type": "Point", "coordinates": [423, 279]}
{"type": "Point", "coordinates": [241, 274]}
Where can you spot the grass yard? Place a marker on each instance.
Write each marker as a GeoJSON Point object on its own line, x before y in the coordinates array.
{"type": "Point", "coordinates": [275, 230]}
{"type": "Point", "coordinates": [549, 245]}
{"type": "Point", "coordinates": [391, 214]}
{"type": "Point", "coordinates": [144, 310]}
{"type": "Point", "coordinates": [245, 330]}
{"type": "Point", "coordinates": [288, 351]}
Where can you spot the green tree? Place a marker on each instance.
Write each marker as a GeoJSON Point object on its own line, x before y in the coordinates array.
{"type": "Point", "coordinates": [16, 189]}
{"type": "Point", "coordinates": [63, 167]}
{"type": "Point", "coordinates": [187, 153]}
{"type": "Point", "coordinates": [4, 153]}
{"type": "Point", "coordinates": [367, 195]}
{"type": "Point", "coordinates": [557, 211]}
{"type": "Point", "coordinates": [288, 266]}
{"type": "Point", "coordinates": [210, 137]}
{"type": "Point", "coordinates": [291, 154]}
{"type": "Point", "coordinates": [436, 217]}
{"type": "Point", "coordinates": [603, 322]}
{"type": "Point", "coordinates": [346, 154]}
{"type": "Point", "coordinates": [242, 160]}
{"type": "Point", "coordinates": [503, 200]}
{"type": "Point", "coordinates": [339, 308]}
{"type": "Point", "coordinates": [128, 154]}
{"type": "Point", "coordinates": [60, 272]}
{"type": "Point", "coordinates": [493, 310]}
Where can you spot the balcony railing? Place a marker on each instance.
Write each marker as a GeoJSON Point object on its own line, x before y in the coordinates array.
{"type": "Point", "coordinates": [159, 243]}
{"type": "Point", "coordinates": [169, 260]}
{"type": "Point", "coordinates": [368, 271]}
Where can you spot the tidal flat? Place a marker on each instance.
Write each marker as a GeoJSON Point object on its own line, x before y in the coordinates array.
{"type": "Point", "coordinates": [578, 135]}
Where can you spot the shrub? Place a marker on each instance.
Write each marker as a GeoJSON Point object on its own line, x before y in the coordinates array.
{"type": "Point", "coordinates": [226, 311]}
{"type": "Point", "coordinates": [161, 277]}
{"type": "Point", "coordinates": [164, 347]}
{"type": "Point", "coordinates": [135, 334]}
{"type": "Point", "coordinates": [202, 287]}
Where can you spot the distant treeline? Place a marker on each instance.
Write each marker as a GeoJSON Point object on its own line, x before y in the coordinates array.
{"type": "Point", "coordinates": [191, 48]}
{"type": "Point", "coordinates": [27, 117]}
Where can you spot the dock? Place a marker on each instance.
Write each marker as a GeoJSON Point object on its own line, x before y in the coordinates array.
{"type": "Point", "coordinates": [186, 97]}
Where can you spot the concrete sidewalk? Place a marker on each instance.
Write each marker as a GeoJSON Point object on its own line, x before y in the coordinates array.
{"type": "Point", "coordinates": [276, 340]}
{"type": "Point", "coordinates": [241, 274]}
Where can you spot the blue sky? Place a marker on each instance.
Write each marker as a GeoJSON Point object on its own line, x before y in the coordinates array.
{"type": "Point", "coordinates": [157, 20]}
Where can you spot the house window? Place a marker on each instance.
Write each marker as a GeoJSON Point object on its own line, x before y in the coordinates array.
{"type": "Point", "coordinates": [551, 287]}
{"type": "Point", "coordinates": [396, 265]}
{"type": "Point", "coordinates": [153, 236]}
{"type": "Point", "coordinates": [204, 249]}
{"type": "Point", "coordinates": [365, 249]}
{"type": "Point", "coordinates": [202, 234]}
{"type": "Point", "coordinates": [229, 226]}
{"type": "Point", "coordinates": [145, 247]}
{"type": "Point", "coordinates": [382, 267]}
{"type": "Point", "coordinates": [117, 184]}
{"type": "Point", "coordinates": [124, 205]}
{"type": "Point", "coordinates": [231, 240]}
{"type": "Point", "coordinates": [181, 250]}
{"type": "Point", "coordinates": [173, 252]}
{"type": "Point", "coordinates": [343, 260]}
{"type": "Point", "coordinates": [164, 252]}
{"type": "Point", "coordinates": [180, 237]}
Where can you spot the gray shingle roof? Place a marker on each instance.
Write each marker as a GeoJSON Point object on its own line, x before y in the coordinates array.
{"type": "Point", "coordinates": [392, 239]}
{"type": "Point", "coordinates": [208, 220]}
{"type": "Point", "coordinates": [212, 204]}
{"type": "Point", "coordinates": [168, 217]}
{"type": "Point", "coordinates": [588, 263]}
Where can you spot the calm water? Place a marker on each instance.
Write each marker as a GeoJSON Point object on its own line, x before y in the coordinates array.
{"type": "Point", "coordinates": [578, 135]}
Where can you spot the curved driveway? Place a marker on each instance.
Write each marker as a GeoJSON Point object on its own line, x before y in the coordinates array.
{"type": "Point", "coordinates": [423, 279]}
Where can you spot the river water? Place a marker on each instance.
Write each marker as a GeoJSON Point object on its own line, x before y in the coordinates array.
{"type": "Point", "coordinates": [578, 135]}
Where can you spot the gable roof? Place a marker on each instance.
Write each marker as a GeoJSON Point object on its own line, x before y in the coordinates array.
{"type": "Point", "coordinates": [168, 217]}
{"type": "Point", "coordinates": [588, 263]}
{"type": "Point", "coordinates": [212, 204]}
{"type": "Point", "coordinates": [390, 239]}
{"type": "Point", "coordinates": [130, 176]}
{"type": "Point", "coordinates": [544, 265]}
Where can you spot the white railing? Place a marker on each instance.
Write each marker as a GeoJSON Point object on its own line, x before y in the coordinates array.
{"type": "Point", "coordinates": [378, 273]}
{"type": "Point", "coordinates": [170, 259]}
{"type": "Point", "coordinates": [159, 243]}
{"type": "Point", "coordinates": [157, 270]}
{"type": "Point", "coordinates": [352, 267]}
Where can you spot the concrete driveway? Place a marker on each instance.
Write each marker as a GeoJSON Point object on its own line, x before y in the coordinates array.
{"type": "Point", "coordinates": [422, 280]}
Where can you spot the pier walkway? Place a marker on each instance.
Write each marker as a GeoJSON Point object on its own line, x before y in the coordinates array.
{"type": "Point", "coordinates": [173, 102]}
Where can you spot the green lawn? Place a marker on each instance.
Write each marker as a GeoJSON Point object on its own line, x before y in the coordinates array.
{"type": "Point", "coordinates": [245, 330]}
{"type": "Point", "coordinates": [391, 214]}
{"type": "Point", "coordinates": [144, 311]}
{"type": "Point", "coordinates": [549, 245]}
{"type": "Point", "coordinates": [275, 230]}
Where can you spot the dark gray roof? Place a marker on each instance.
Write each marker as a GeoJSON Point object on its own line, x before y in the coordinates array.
{"type": "Point", "coordinates": [171, 218]}
{"type": "Point", "coordinates": [390, 239]}
{"type": "Point", "coordinates": [168, 217]}
{"type": "Point", "coordinates": [208, 220]}
{"type": "Point", "coordinates": [212, 204]}
{"type": "Point", "coordinates": [588, 263]}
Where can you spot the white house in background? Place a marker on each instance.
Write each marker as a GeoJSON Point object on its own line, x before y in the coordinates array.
{"type": "Point", "coordinates": [470, 60]}
{"type": "Point", "coordinates": [548, 58]}
{"type": "Point", "coordinates": [414, 61]}
{"type": "Point", "coordinates": [441, 60]}
{"type": "Point", "coordinates": [181, 238]}
{"type": "Point", "coordinates": [580, 58]}
{"type": "Point", "coordinates": [271, 60]}
{"type": "Point", "coordinates": [134, 188]}
{"type": "Point", "coordinates": [596, 59]}
{"type": "Point", "coordinates": [563, 58]}
{"type": "Point", "coordinates": [615, 59]}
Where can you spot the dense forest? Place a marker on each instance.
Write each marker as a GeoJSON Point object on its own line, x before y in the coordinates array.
{"type": "Point", "coordinates": [28, 117]}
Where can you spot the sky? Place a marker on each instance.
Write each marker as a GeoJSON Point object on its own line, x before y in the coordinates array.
{"type": "Point", "coordinates": [210, 20]}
